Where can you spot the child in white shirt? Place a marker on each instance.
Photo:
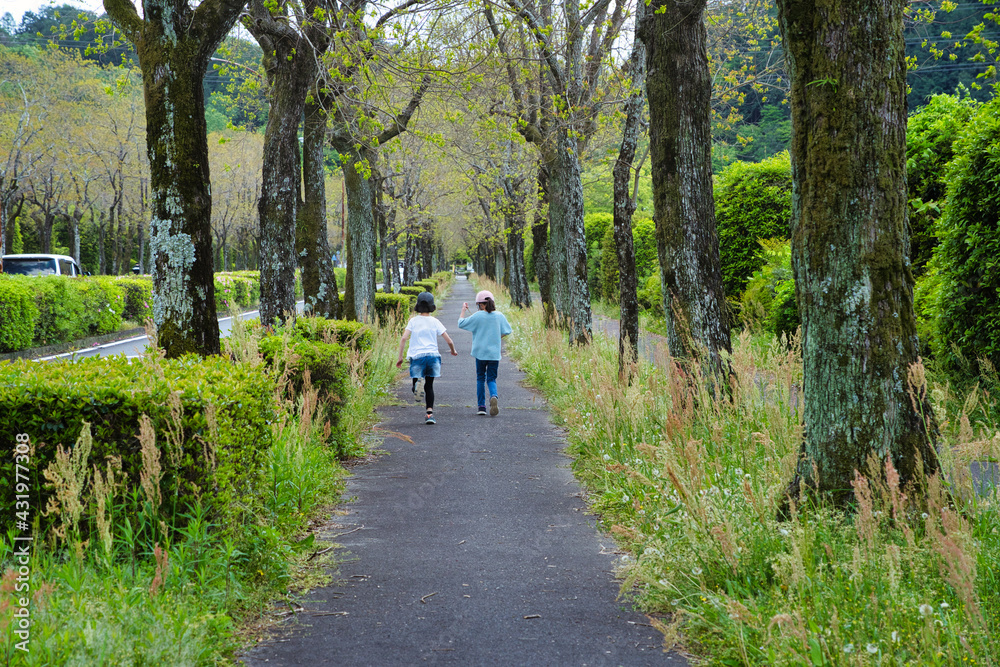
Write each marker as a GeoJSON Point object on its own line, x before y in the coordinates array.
{"type": "Point", "coordinates": [425, 360]}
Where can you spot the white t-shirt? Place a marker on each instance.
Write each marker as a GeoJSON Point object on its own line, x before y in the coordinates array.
{"type": "Point", "coordinates": [424, 330]}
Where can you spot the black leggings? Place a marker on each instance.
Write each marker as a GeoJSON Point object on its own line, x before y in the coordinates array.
{"type": "Point", "coordinates": [428, 391]}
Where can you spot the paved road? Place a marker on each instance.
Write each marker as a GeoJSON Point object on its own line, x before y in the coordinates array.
{"type": "Point", "coordinates": [133, 347]}
{"type": "Point", "coordinates": [470, 546]}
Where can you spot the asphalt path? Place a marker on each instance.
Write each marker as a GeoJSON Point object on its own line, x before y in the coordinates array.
{"type": "Point", "coordinates": [470, 545]}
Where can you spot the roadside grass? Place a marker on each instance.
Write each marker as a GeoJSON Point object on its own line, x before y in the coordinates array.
{"type": "Point", "coordinates": [150, 586]}
{"type": "Point", "coordinates": [691, 488]}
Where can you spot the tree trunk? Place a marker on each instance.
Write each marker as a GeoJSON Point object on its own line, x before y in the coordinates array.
{"type": "Point", "coordinates": [569, 250]}
{"type": "Point", "coordinates": [624, 208]}
{"type": "Point", "coordinates": [540, 248]}
{"type": "Point", "coordinates": [679, 89]}
{"type": "Point", "coordinates": [280, 182]}
{"type": "Point", "coordinates": [382, 226]}
{"type": "Point", "coordinates": [517, 281]}
{"type": "Point", "coordinates": [174, 43]}
{"type": "Point", "coordinates": [853, 281]}
{"type": "Point", "coordinates": [359, 294]}
{"type": "Point", "coordinates": [319, 282]}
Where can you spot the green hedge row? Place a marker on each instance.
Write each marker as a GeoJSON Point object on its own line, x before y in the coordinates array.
{"type": "Point", "coordinates": [46, 310]}
{"type": "Point", "coordinates": [225, 423]}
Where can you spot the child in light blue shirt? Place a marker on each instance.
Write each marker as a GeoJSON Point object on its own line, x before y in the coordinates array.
{"type": "Point", "coordinates": [487, 326]}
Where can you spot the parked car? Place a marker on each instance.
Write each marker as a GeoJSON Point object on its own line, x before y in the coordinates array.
{"type": "Point", "coordinates": [39, 265]}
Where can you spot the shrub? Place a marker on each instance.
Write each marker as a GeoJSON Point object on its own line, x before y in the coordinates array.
{"type": "Point", "coordinates": [345, 332]}
{"type": "Point", "coordinates": [646, 261]}
{"type": "Point", "coordinates": [968, 257]}
{"type": "Point", "coordinates": [759, 304]}
{"type": "Point", "coordinates": [930, 135]}
{"type": "Point", "coordinates": [411, 290]}
{"type": "Point", "coordinates": [138, 298]}
{"type": "Point", "coordinates": [291, 356]}
{"type": "Point", "coordinates": [650, 295]}
{"type": "Point", "coordinates": [426, 285]}
{"type": "Point", "coordinates": [784, 316]}
{"type": "Point", "coordinates": [221, 430]}
{"type": "Point", "coordinates": [388, 306]}
{"type": "Point", "coordinates": [18, 313]}
{"type": "Point", "coordinates": [61, 315]}
{"type": "Point", "coordinates": [752, 201]}
{"type": "Point", "coordinates": [103, 303]}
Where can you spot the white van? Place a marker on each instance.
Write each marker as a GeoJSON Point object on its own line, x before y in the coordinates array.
{"type": "Point", "coordinates": [39, 265]}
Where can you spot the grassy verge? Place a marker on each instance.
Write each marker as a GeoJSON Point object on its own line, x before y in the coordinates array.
{"type": "Point", "coordinates": [691, 487]}
{"type": "Point", "coordinates": [133, 583]}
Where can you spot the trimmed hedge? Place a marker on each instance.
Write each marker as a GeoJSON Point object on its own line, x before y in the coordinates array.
{"type": "Point", "coordinates": [752, 201]}
{"type": "Point", "coordinates": [18, 313]}
{"type": "Point", "coordinates": [388, 305]}
{"type": "Point", "coordinates": [329, 372]}
{"type": "Point", "coordinates": [74, 308]}
{"type": "Point", "coordinates": [138, 298]}
{"type": "Point", "coordinates": [411, 290]}
{"type": "Point", "coordinates": [51, 401]}
{"type": "Point", "coordinates": [67, 309]}
{"type": "Point", "coordinates": [428, 285]}
{"type": "Point", "coordinates": [344, 332]}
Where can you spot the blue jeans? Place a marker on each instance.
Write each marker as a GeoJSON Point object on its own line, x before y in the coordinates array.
{"type": "Point", "coordinates": [486, 373]}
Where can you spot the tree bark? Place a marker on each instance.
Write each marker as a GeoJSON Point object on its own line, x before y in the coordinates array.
{"type": "Point", "coordinates": [359, 288]}
{"type": "Point", "coordinates": [540, 248]}
{"type": "Point", "coordinates": [319, 282]}
{"type": "Point", "coordinates": [679, 89]}
{"type": "Point", "coordinates": [174, 43]}
{"type": "Point", "coordinates": [624, 207]}
{"type": "Point", "coordinates": [853, 281]}
{"type": "Point", "coordinates": [289, 61]}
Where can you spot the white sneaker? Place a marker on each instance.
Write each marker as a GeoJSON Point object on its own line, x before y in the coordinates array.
{"type": "Point", "coordinates": [418, 390]}
{"type": "Point", "coordinates": [494, 408]}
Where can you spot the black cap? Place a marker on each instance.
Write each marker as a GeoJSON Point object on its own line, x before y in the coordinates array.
{"type": "Point", "coordinates": [425, 303]}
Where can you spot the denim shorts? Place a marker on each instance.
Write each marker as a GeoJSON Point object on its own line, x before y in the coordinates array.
{"type": "Point", "coordinates": [425, 367]}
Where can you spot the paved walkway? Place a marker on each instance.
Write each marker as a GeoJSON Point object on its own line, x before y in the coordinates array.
{"type": "Point", "coordinates": [471, 546]}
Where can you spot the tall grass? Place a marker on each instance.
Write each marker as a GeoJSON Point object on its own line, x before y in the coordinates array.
{"type": "Point", "coordinates": [691, 487]}
{"type": "Point", "coordinates": [150, 586]}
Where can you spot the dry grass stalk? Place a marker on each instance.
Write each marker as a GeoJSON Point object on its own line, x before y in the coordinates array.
{"type": "Point", "coordinates": [68, 476]}
{"type": "Point", "coordinates": [162, 568]}
{"type": "Point", "coordinates": [151, 473]}
{"type": "Point", "coordinates": [105, 487]}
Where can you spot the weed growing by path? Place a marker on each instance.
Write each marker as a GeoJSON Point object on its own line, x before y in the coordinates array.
{"type": "Point", "coordinates": [691, 486]}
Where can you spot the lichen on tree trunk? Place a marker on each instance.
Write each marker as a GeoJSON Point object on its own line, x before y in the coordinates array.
{"type": "Point", "coordinates": [180, 241]}
{"type": "Point", "coordinates": [679, 89]}
{"type": "Point", "coordinates": [853, 281]}
{"type": "Point", "coordinates": [174, 42]}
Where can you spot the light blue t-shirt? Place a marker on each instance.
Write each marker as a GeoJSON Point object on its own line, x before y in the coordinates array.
{"type": "Point", "coordinates": [487, 329]}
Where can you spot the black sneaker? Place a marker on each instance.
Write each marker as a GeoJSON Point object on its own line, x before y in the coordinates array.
{"type": "Point", "coordinates": [494, 408]}
{"type": "Point", "coordinates": [482, 410]}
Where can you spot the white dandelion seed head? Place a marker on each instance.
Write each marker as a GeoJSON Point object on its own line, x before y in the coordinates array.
{"type": "Point", "coordinates": [696, 571]}
{"type": "Point", "coordinates": [926, 610]}
{"type": "Point", "coordinates": [895, 636]}
{"type": "Point", "coordinates": [848, 648]}
{"type": "Point", "coordinates": [945, 605]}
{"type": "Point", "coordinates": [872, 648]}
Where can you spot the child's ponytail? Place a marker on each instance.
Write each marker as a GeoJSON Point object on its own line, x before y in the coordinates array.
{"type": "Point", "coordinates": [489, 306]}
